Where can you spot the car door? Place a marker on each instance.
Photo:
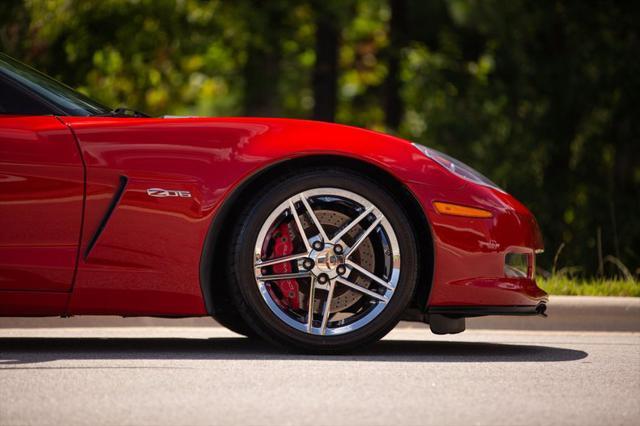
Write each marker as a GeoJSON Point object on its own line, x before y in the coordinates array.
{"type": "Point", "coordinates": [41, 197]}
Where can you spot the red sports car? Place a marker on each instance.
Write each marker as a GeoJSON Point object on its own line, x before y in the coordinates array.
{"type": "Point", "coordinates": [316, 236]}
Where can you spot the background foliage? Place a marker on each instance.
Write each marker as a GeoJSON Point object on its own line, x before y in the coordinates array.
{"type": "Point", "coordinates": [542, 96]}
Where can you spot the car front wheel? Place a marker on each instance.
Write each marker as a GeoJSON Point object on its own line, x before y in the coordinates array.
{"type": "Point", "coordinates": [323, 261]}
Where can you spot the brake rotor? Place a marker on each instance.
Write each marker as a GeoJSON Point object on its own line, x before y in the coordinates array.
{"type": "Point", "coordinates": [343, 296]}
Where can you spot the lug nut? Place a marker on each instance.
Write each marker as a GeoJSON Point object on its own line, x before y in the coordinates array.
{"type": "Point", "coordinates": [337, 249]}
{"type": "Point", "coordinates": [323, 278]}
{"type": "Point", "coordinates": [318, 245]}
{"type": "Point", "coordinates": [341, 269]}
{"type": "Point", "coordinates": [307, 264]}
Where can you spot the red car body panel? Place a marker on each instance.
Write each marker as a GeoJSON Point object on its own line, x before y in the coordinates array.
{"type": "Point", "coordinates": [140, 255]}
{"type": "Point", "coordinates": [41, 175]}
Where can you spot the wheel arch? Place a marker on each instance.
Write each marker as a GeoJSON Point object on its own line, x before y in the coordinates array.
{"type": "Point", "coordinates": [214, 289]}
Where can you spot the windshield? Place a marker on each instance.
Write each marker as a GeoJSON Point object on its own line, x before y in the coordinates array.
{"type": "Point", "coordinates": [63, 97]}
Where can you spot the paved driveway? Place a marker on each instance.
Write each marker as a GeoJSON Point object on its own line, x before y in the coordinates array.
{"type": "Point", "coordinates": [187, 376]}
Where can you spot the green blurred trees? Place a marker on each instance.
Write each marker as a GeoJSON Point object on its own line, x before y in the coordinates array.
{"type": "Point", "coordinates": [543, 97]}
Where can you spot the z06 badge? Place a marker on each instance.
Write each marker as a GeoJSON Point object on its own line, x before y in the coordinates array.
{"type": "Point", "coordinates": [161, 193]}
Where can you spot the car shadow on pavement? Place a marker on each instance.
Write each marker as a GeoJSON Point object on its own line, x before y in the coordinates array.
{"type": "Point", "coordinates": [23, 350]}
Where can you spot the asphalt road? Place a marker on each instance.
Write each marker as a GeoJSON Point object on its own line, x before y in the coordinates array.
{"type": "Point", "coordinates": [189, 376]}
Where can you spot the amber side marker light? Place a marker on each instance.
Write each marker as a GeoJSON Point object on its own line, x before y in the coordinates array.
{"type": "Point", "coordinates": [457, 210]}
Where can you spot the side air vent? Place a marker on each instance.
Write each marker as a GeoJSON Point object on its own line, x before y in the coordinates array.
{"type": "Point", "coordinates": [103, 223]}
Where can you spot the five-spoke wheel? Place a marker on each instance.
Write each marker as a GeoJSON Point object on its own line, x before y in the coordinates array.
{"type": "Point", "coordinates": [327, 281]}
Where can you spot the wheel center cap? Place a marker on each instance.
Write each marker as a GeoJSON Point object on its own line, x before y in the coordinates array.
{"type": "Point", "coordinates": [326, 261]}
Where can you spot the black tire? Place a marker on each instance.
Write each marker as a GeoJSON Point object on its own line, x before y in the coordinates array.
{"type": "Point", "coordinates": [235, 323]}
{"type": "Point", "coordinates": [246, 295]}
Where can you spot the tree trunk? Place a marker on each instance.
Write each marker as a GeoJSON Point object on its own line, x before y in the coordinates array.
{"type": "Point", "coordinates": [393, 103]}
{"type": "Point", "coordinates": [325, 72]}
{"type": "Point", "coordinates": [262, 69]}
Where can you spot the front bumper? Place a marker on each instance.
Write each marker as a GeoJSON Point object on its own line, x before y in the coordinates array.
{"type": "Point", "coordinates": [480, 311]}
{"type": "Point", "coordinates": [470, 253]}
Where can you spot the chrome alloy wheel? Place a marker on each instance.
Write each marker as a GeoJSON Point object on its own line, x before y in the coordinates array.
{"type": "Point", "coordinates": [339, 266]}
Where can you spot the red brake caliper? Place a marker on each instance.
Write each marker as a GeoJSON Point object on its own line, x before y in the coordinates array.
{"type": "Point", "coordinates": [283, 246]}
